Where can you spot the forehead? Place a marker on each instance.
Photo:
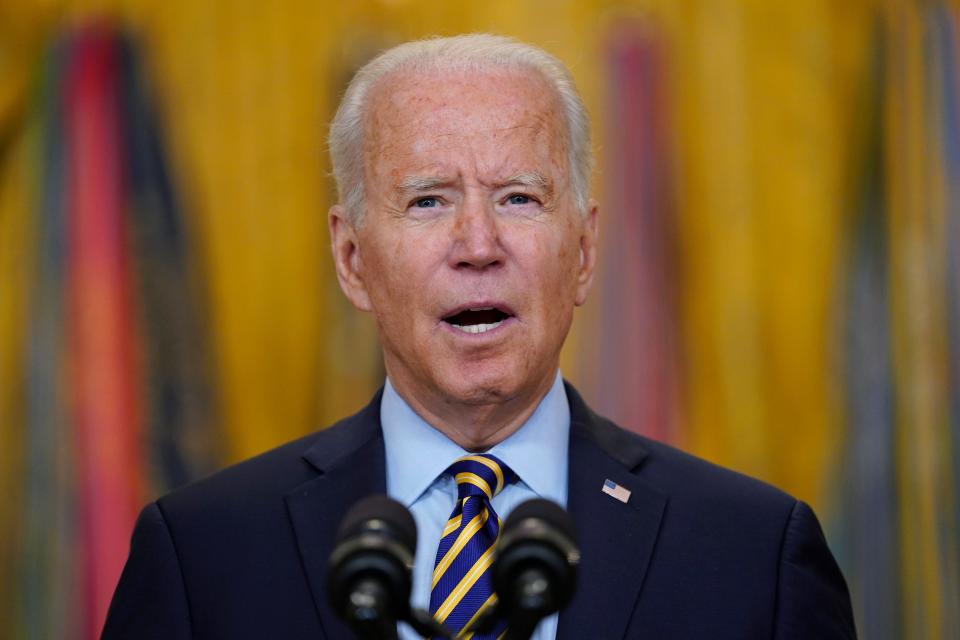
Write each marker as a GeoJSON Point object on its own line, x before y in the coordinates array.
{"type": "Point", "coordinates": [508, 117]}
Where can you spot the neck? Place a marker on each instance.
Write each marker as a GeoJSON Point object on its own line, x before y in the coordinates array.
{"type": "Point", "coordinates": [475, 425]}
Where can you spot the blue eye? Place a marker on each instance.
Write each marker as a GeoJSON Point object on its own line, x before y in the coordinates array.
{"type": "Point", "coordinates": [426, 203]}
{"type": "Point", "coordinates": [518, 198]}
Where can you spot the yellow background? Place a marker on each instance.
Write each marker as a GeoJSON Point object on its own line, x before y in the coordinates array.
{"type": "Point", "coordinates": [762, 97]}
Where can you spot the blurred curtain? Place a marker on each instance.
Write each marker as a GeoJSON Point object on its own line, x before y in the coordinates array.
{"type": "Point", "coordinates": [779, 287]}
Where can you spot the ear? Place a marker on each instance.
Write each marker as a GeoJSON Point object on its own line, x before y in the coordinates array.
{"type": "Point", "coordinates": [346, 258]}
{"type": "Point", "coordinates": [588, 253]}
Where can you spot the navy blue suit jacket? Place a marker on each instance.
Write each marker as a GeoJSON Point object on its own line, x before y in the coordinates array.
{"type": "Point", "coordinates": [696, 552]}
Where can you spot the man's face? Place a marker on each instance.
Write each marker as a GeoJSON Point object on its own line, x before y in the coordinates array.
{"type": "Point", "coordinates": [471, 254]}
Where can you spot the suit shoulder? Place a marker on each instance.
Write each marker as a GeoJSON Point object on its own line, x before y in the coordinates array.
{"type": "Point", "coordinates": [687, 478]}
{"type": "Point", "coordinates": [668, 469]}
{"type": "Point", "coordinates": [271, 474]}
{"type": "Point", "coordinates": [688, 473]}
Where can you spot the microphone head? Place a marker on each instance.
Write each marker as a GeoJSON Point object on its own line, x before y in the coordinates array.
{"type": "Point", "coordinates": [375, 543]}
{"type": "Point", "coordinates": [538, 553]}
{"type": "Point", "coordinates": [529, 516]}
{"type": "Point", "coordinates": [380, 514]}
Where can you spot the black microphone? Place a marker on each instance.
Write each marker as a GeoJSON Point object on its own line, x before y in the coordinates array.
{"type": "Point", "coordinates": [368, 578]}
{"type": "Point", "coordinates": [535, 568]}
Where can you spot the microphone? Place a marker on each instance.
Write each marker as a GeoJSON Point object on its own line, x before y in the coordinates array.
{"type": "Point", "coordinates": [368, 579]}
{"type": "Point", "coordinates": [535, 569]}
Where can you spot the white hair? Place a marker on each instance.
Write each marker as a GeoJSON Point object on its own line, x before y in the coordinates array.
{"type": "Point", "coordinates": [464, 53]}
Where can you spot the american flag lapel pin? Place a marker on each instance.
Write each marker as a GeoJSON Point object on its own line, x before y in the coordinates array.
{"type": "Point", "coordinates": [611, 488]}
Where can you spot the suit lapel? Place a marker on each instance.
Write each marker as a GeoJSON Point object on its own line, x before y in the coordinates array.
{"type": "Point", "coordinates": [350, 461]}
{"type": "Point", "coordinates": [616, 539]}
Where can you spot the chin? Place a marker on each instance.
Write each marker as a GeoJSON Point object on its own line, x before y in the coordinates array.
{"type": "Point", "coordinates": [483, 383]}
{"type": "Point", "coordinates": [478, 390]}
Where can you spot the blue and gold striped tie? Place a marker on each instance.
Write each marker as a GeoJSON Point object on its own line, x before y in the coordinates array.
{"type": "Point", "coordinates": [462, 583]}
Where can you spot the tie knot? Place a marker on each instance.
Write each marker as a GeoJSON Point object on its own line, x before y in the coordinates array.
{"type": "Point", "coordinates": [480, 474]}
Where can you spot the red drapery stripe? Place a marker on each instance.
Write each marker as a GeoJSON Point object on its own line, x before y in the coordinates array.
{"type": "Point", "coordinates": [102, 340]}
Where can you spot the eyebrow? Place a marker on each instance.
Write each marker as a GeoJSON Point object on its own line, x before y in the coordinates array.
{"type": "Point", "coordinates": [533, 179]}
{"type": "Point", "coordinates": [415, 184]}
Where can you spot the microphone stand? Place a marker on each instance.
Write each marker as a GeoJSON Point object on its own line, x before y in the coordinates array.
{"type": "Point", "coordinates": [367, 611]}
{"type": "Point", "coordinates": [426, 625]}
{"type": "Point", "coordinates": [533, 600]}
{"type": "Point", "coordinates": [371, 620]}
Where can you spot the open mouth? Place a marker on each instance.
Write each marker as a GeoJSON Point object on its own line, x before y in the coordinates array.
{"type": "Point", "coordinates": [477, 320]}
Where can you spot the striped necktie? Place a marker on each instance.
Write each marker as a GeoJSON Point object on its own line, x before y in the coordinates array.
{"type": "Point", "coordinates": [462, 581]}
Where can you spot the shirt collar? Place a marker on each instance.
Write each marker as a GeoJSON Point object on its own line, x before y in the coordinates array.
{"type": "Point", "coordinates": [416, 453]}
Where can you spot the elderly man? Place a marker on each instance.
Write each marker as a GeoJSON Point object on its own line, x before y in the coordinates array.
{"type": "Point", "coordinates": [465, 227]}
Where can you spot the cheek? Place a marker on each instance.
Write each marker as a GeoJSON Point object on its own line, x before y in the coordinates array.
{"type": "Point", "coordinates": [555, 266]}
{"type": "Point", "coordinates": [397, 277]}
{"type": "Point", "coordinates": [382, 266]}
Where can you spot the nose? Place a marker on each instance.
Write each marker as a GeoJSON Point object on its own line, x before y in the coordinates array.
{"type": "Point", "coordinates": [476, 237]}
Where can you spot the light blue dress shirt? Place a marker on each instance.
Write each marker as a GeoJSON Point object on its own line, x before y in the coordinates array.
{"type": "Point", "coordinates": [417, 455]}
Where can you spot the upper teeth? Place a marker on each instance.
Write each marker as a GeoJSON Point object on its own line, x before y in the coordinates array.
{"type": "Point", "coordinates": [478, 328]}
